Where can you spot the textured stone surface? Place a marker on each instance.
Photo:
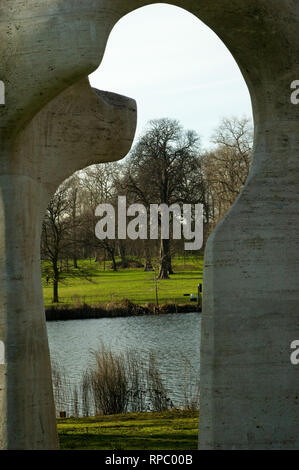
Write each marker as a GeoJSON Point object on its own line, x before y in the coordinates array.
{"type": "Point", "coordinates": [249, 389]}
{"type": "Point", "coordinates": [79, 127]}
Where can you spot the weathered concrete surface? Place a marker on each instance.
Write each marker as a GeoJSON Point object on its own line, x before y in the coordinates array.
{"type": "Point", "coordinates": [79, 127]}
{"type": "Point", "coordinates": [249, 389]}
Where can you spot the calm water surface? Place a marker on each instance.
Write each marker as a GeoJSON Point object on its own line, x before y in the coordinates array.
{"type": "Point", "coordinates": [173, 338]}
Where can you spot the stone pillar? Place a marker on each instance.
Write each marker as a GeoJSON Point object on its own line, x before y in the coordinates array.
{"type": "Point", "coordinates": [249, 388]}
{"type": "Point", "coordinates": [27, 418]}
{"type": "Point", "coordinates": [79, 127]}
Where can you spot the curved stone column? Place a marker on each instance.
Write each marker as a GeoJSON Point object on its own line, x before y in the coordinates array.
{"type": "Point", "coordinates": [77, 128]}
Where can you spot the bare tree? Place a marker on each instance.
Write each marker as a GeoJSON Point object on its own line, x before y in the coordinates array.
{"type": "Point", "coordinates": [163, 168]}
{"type": "Point", "coordinates": [56, 226]}
{"type": "Point", "coordinates": [98, 187]}
{"type": "Point", "coordinates": [73, 195]}
{"type": "Point", "coordinates": [226, 167]}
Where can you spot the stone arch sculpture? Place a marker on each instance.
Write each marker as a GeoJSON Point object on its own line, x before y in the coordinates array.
{"type": "Point", "coordinates": [53, 123]}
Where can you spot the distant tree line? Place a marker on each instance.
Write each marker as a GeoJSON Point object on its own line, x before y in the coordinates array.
{"type": "Point", "coordinates": [166, 166]}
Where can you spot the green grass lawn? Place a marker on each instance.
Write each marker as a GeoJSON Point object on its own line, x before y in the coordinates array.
{"type": "Point", "coordinates": [91, 284]}
{"type": "Point", "coordinates": [169, 430]}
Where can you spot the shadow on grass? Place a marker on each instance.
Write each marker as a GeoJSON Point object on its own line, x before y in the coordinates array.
{"type": "Point", "coordinates": [120, 442]}
{"type": "Point", "coordinates": [170, 430]}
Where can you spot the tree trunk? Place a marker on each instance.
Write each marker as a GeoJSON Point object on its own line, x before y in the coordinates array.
{"type": "Point", "coordinates": [114, 267]}
{"type": "Point", "coordinates": [170, 269]}
{"type": "Point", "coordinates": [74, 214]}
{"type": "Point", "coordinates": [122, 253]}
{"type": "Point", "coordinates": [55, 281]}
{"type": "Point", "coordinates": [164, 261]}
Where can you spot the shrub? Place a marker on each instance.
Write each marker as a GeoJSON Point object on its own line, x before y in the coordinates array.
{"type": "Point", "coordinates": [117, 383]}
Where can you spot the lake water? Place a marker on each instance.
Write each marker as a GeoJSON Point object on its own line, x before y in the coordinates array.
{"type": "Point", "coordinates": [174, 338]}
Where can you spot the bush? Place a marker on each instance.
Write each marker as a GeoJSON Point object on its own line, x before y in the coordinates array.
{"type": "Point", "coordinates": [118, 383]}
{"type": "Point", "coordinates": [109, 383]}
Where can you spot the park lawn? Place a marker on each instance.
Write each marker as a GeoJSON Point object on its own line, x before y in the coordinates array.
{"type": "Point", "coordinates": [91, 284]}
{"type": "Point", "coordinates": [168, 430]}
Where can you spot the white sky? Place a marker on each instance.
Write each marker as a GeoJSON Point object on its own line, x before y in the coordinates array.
{"type": "Point", "coordinates": [173, 66]}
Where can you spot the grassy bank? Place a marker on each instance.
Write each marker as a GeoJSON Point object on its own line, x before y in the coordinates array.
{"type": "Point", "coordinates": [91, 284]}
{"type": "Point", "coordinates": [169, 430]}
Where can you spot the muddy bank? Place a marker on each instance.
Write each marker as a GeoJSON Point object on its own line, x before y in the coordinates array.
{"type": "Point", "coordinates": [112, 310]}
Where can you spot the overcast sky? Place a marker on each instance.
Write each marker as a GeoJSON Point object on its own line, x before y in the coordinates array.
{"type": "Point", "coordinates": [173, 66]}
